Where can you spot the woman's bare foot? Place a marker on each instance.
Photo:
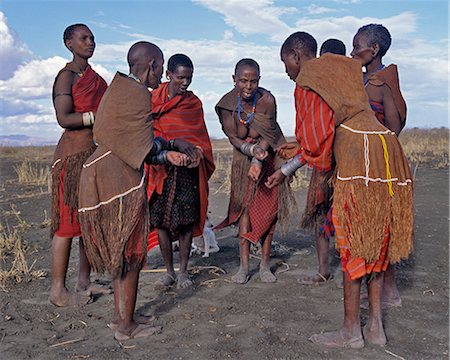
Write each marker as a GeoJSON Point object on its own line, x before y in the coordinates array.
{"type": "Point", "coordinates": [338, 339]}
{"type": "Point", "coordinates": [140, 331]}
{"type": "Point", "coordinates": [374, 334]}
{"type": "Point", "coordinates": [241, 277]}
{"type": "Point", "coordinates": [266, 275]}
{"type": "Point", "coordinates": [139, 319]}
{"type": "Point", "coordinates": [66, 298]}
{"type": "Point", "coordinates": [165, 280]}
{"type": "Point", "coordinates": [317, 279]}
{"type": "Point", "coordinates": [184, 281]}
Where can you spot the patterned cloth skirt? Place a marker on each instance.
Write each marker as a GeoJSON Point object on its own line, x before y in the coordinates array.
{"type": "Point", "coordinates": [179, 203]}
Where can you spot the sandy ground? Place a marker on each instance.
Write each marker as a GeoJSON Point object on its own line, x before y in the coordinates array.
{"type": "Point", "coordinates": [224, 320]}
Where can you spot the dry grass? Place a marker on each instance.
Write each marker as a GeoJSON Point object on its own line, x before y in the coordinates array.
{"type": "Point", "coordinates": [13, 263]}
{"type": "Point", "coordinates": [28, 152]}
{"type": "Point", "coordinates": [426, 147]}
{"type": "Point", "coordinates": [32, 174]}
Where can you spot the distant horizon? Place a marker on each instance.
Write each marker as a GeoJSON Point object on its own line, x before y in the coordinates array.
{"type": "Point", "coordinates": [42, 141]}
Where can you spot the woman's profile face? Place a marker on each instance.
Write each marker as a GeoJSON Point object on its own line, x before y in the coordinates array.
{"type": "Point", "coordinates": [82, 42]}
{"type": "Point", "coordinates": [361, 51]}
{"type": "Point", "coordinates": [291, 64]}
{"type": "Point", "coordinates": [180, 79]}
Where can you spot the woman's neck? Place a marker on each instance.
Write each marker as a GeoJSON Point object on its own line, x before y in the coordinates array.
{"type": "Point", "coordinates": [374, 66]}
{"type": "Point", "coordinates": [80, 62]}
{"type": "Point", "coordinates": [171, 91]}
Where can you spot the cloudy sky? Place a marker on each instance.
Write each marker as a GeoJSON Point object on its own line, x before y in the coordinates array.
{"type": "Point", "coordinates": [215, 34]}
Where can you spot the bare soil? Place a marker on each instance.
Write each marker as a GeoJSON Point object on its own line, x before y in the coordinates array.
{"type": "Point", "coordinates": [225, 320]}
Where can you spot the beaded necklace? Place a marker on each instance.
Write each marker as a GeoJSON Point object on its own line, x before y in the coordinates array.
{"type": "Point", "coordinates": [249, 117]}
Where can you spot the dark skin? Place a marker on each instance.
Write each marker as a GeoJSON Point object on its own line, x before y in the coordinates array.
{"type": "Point", "coordinates": [82, 46]}
{"type": "Point", "coordinates": [179, 80]}
{"type": "Point", "coordinates": [351, 330]}
{"type": "Point", "coordinates": [371, 58]}
{"type": "Point", "coordinates": [246, 81]}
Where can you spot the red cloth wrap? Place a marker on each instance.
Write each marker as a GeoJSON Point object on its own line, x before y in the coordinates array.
{"type": "Point", "coordinates": [181, 117]}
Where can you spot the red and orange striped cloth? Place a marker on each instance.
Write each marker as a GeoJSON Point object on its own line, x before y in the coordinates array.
{"type": "Point", "coordinates": [314, 130]}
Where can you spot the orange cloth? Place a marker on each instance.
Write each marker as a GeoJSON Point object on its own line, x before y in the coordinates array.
{"type": "Point", "coordinates": [357, 267]}
{"type": "Point", "coordinates": [181, 117]}
{"type": "Point", "coordinates": [315, 128]}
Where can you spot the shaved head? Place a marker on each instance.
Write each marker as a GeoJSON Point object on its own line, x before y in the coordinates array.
{"type": "Point", "coordinates": [146, 61]}
{"type": "Point", "coordinates": [143, 51]}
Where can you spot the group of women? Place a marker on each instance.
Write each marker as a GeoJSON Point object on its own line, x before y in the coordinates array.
{"type": "Point", "coordinates": [177, 187]}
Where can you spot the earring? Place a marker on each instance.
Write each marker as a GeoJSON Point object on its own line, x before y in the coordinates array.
{"type": "Point", "coordinates": [168, 77]}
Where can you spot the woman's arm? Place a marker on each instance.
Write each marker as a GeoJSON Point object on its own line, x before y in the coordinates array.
{"type": "Point", "coordinates": [391, 116]}
{"type": "Point", "coordinates": [63, 102]}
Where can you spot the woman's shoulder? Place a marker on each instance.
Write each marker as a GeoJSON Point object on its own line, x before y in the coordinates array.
{"type": "Point", "coordinates": [267, 99]}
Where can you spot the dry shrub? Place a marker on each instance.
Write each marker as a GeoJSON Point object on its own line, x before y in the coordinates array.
{"type": "Point", "coordinates": [32, 174]}
{"type": "Point", "coordinates": [13, 264]}
{"type": "Point", "coordinates": [301, 179]}
{"type": "Point", "coordinates": [428, 147]}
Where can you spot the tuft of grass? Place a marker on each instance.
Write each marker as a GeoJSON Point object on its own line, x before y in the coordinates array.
{"type": "Point", "coordinates": [13, 264]}
{"type": "Point", "coordinates": [426, 147]}
{"type": "Point", "coordinates": [32, 174]}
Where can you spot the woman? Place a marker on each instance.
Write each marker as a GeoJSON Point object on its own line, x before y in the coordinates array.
{"type": "Point", "coordinates": [370, 44]}
{"type": "Point", "coordinates": [179, 195]}
{"type": "Point", "coordinates": [77, 92]}
{"type": "Point", "coordinates": [248, 117]}
{"type": "Point", "coordinates": [372, 193]}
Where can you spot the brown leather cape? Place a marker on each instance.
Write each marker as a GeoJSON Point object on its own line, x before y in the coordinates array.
{"type": "Point", "coordinates": [389, 76]}
{"type": "Point", "coordinates": [373, 186]}
{"type": "Point", "coordinates": [113, 205]}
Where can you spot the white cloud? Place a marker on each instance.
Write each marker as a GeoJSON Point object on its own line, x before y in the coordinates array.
{"type": "Point", "coordinates": [32, 80]}
{"type": "Point", "coordinates": [318, 10]}
{"type": "Point", "coordinates": [13, 52]}
{"type": "Point", "coordinates": [259, 17]}
{"type": "Point", "coordinates": [227, 35]}
{"type": "Point", "coordinates": [345, 27]}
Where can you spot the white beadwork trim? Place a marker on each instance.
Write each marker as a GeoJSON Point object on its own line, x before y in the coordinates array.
{"type": "Point", "coordinates": [366, 178]}
{"type": "Point", "coordinates": [54, 164]}
{"type": "Point", "coordinates": [95, 160]}
{"type": "Point", "coordinates": [366, 158]}
{"type": "Point", "coordinates": [367, 132]}
{"type": "Point", "coordinates": [113, 198]}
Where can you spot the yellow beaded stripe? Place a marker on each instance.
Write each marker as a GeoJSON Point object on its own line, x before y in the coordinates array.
{"type": "Point", "coordinates": [386, 159]}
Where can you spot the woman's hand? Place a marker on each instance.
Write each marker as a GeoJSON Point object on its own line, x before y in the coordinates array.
{"type": "Point", "coordinates": [288, 150]}
{"type": "Point", "coordinates": [254, 172]}
{"type": "Point", "coordinates": [275, 179]}
{"type": "Point", "coordinates": [185, 147]}
{"type": "Point", "coordinates": [198, 157]}
{"type": "Point", "coordinates": [178, 159]}
{"type": "Point", "coordinates": [259, 153]}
